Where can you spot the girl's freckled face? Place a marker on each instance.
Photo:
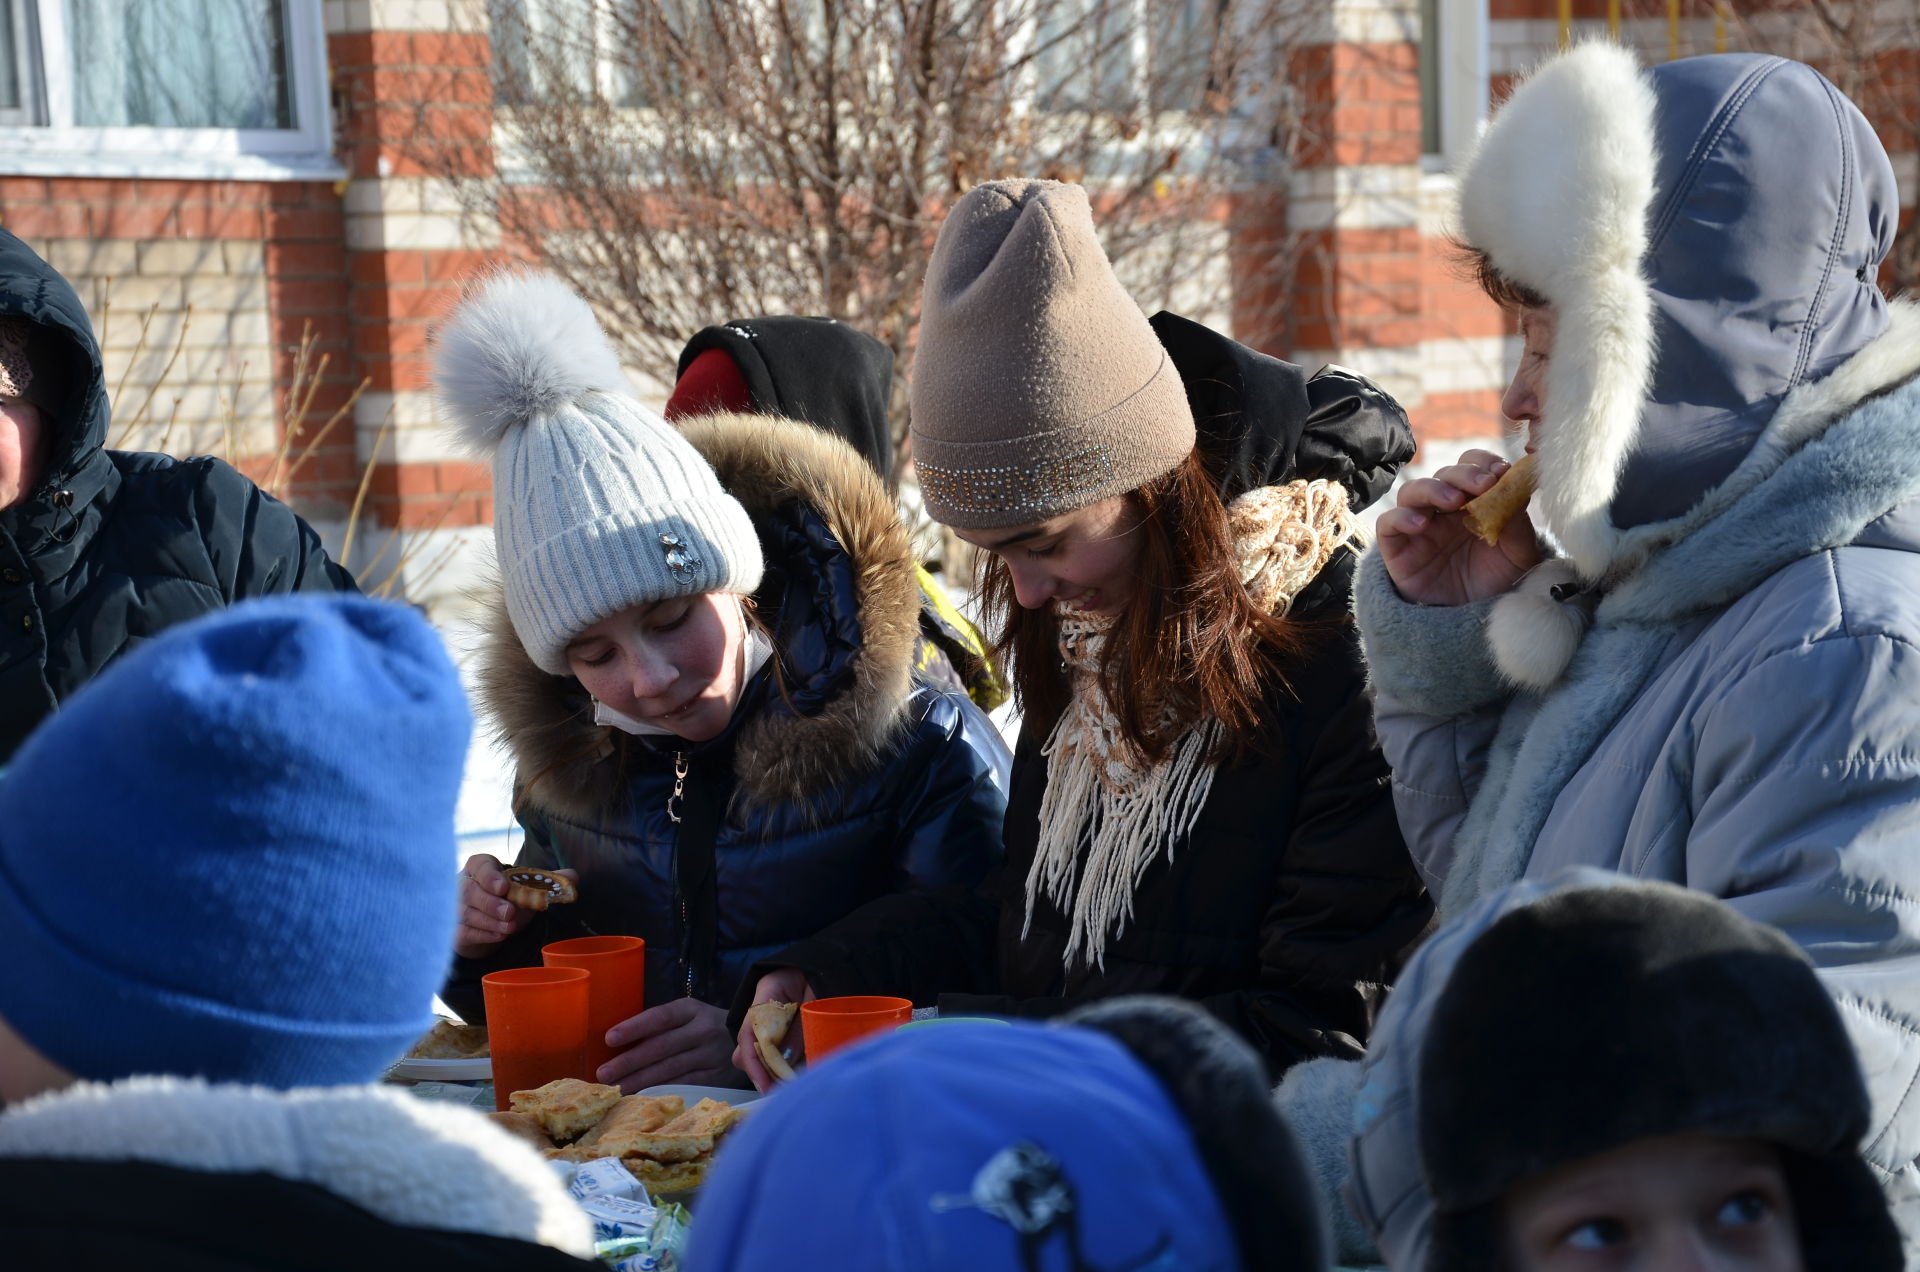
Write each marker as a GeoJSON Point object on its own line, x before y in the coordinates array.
{"type": "Point", "coordinates": [674, 663]}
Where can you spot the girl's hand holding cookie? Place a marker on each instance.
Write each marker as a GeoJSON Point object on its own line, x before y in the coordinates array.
{"type": "Point", "coordinates": [488, 915]}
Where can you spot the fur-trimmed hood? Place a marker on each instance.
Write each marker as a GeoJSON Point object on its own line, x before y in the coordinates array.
{"type": "Point", "coordinates": [411, 1162]}
{"type": "Point", "coordinates": [1709, 233]}
{"type": "Point", "coordinates": [840, 598]}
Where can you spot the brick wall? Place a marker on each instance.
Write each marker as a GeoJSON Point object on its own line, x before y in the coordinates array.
{"type": "Point", "coordinates": [201, 292]}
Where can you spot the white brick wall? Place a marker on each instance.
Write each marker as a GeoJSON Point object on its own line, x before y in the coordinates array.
{"type": "Point", "coordinates": [352, 16]}
{"type": "Point", "coordinates": [413, 213]}
{"type": "Point", "coordinates": [1360, 196]}
{"type": "Point", "coordinates": [199, 379]}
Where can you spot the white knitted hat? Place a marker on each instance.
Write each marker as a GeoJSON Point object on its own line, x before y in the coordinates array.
{"type": "Point", "coordinates": [598, 503]}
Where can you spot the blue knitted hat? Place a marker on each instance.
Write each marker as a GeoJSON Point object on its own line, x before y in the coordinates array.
{"type": "Point", "coordinates": [1031, 1148]}
{"type": "Point", "coordinates": [233, 856]}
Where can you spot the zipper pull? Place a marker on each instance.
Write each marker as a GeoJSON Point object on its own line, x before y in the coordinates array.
{"type": "Point", "coordinates": [679, 787]}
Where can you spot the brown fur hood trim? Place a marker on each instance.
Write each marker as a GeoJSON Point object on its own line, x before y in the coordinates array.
{"type": "Point", "coordinates": [581, 768]}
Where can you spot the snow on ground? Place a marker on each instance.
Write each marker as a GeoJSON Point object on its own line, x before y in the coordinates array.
{"type": "Point", "coordinates": [484, 819]}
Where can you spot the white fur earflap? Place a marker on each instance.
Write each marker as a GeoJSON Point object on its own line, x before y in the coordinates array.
{"type": "Point", "coordinates": [1533, 636]}
{"type": "Point", "coordinates": [518, 347]}
{"type": "Point", "coordinates": [1558, 195]}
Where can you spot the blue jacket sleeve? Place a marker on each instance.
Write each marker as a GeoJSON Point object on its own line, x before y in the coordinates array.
{"type": "Point", "coordinates": [953, 805]}
{"type": "Point", "coordinates": [1806, 807]}
{"type": "Point", "coordinates": [936, 933]}
{"type": "Point", "coordinates": [1437, 706]}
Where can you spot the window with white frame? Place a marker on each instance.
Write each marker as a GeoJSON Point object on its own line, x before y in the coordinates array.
{"type": "Point", "coordinates": [164, 87]}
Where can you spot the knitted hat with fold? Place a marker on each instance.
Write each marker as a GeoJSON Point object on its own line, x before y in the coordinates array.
{"type": "Point", "coordinates": [1038, 387]}
{"type": "Point", "coordinates": [232, 855]}
{"type": "Point", "coordinates": [599, 505]}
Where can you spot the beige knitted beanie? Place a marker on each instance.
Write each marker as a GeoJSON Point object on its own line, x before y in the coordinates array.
{"type": "Point", "coordinates": [1038, 387]}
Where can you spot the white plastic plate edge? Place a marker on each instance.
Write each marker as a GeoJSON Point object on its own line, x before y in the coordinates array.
{"type": "Point", "coordinates": [479, 1069]}
{"type": "Point", "coordinates": [737, 1096]}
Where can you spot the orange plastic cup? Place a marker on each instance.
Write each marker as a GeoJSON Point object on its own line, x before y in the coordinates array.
{"type": "Point", "coordinates": [536, 1025]}
{"type": "Point", "coordinates": [827, 1024]}
{"type": "Point", "coordinates": [616, 985]}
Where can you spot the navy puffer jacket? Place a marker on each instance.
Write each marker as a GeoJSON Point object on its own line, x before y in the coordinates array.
{"type": "Point", "coordinates": [112, 547]}
{"type": "Point", "coordinates": [842, 780]}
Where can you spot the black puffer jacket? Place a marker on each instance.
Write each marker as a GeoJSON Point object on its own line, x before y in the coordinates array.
{"type": "Point", "coordinates": [112, 547]}
{"type": "Point", "coordinates": [849, 780]}
{"type": "Point", "coordinates": [1291, 904]}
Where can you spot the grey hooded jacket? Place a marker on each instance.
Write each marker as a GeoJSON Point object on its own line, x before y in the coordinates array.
{"type": "Point", "coordinates": [1743, 714]}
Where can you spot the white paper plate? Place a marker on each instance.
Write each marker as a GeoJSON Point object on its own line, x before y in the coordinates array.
{"type": "Point", "coordinates": [476, 1070]}
{"type": "Point", "coordinates": [736, 1096]}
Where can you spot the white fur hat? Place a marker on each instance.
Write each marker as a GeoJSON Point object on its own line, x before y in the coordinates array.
{"type": "Point", "coordinates": [599, 504]}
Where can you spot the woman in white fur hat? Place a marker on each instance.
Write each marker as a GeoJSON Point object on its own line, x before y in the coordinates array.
{"type": "Point", "coordinates": [1707, 676]}
{"type": "Point", "coordinates": [1198, 804]}
{"type": "Point", "coordinates": [702, 661]}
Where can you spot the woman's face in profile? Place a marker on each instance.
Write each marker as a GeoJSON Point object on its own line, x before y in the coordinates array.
{"type": "Point", "coordinates": [1525, 399]}
{"type": "Point", "coordinates": [20, 449]}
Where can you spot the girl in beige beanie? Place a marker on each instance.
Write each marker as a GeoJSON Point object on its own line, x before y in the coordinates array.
{"type": "Point", "coordinates": [1198, 806]}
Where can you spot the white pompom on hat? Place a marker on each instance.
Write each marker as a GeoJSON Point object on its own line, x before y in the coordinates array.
{"type": "Point", "coordinates": [599, 504]}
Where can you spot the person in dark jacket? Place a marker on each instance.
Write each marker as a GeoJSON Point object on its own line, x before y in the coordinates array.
{"type": "Point", "coordinates": [1198, 807]}
{"type": "Point", "coordinates": [225, 901]}
{"type": "Point", "coordinates": [824, 373]}
{"type": "Point", "coordinates": [703, 665]}
{"type": "Point", "coordinates": [1137, 1134]}
{"type": "Point", "coordinates": [102, 549]}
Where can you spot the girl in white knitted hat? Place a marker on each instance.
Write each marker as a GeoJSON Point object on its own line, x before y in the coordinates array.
{"type": "Point", "coordinates": [703, 664]}
{"type": "Point", "coordinates": [1198, 805]}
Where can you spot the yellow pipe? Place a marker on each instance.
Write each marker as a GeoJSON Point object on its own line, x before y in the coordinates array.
{"type": "Point", "coordinates": [1720, 27]}
{"type": "Point", "coordinates": [1673, 29]}
{"type": "Point", "coordinates": [1613, 19]}
{"type": "Point", "coordinates": [1566, 22]}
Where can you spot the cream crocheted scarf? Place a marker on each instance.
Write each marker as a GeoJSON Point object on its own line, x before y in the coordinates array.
{"type": "Point", "coordinates": [1105, 816]}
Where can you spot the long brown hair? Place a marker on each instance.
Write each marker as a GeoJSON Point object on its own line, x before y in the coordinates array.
{"type": "Point", "coordinates": [1190, 630]}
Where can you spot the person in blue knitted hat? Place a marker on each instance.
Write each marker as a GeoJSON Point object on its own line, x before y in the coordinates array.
{"type": "Point", "coordinates": [1137, 1137]}
{"type": "Point", "coordinates": [227, 890]}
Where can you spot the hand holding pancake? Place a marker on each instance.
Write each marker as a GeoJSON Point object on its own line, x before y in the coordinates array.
{"type": "Point", "coordinates": [1438, 553]}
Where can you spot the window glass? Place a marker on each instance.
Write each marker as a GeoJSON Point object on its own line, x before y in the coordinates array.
{"type": "Point", "coordinates": [1180, 52]}
{"type": "Point", "coordinates": [543, 49]}
{"type": "Point", "coordinates": [10, 50]}
{"type": "Point", "coordinates": [179, 63]}
{"type": "Point", "coordinates": [1084, 55]}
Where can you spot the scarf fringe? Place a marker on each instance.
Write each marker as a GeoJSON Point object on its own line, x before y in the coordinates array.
{"type": "Point", "coordinates": [1104, 820]}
